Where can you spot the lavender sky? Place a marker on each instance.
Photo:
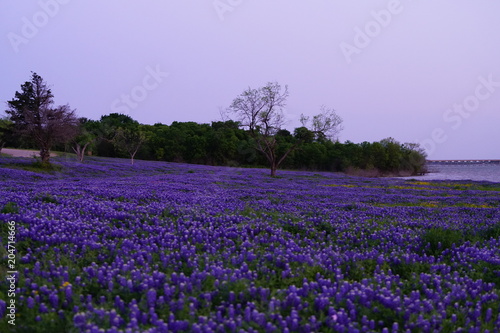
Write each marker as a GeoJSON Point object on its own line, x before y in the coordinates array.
{"type": "Point", "coordinates": [417, 71]}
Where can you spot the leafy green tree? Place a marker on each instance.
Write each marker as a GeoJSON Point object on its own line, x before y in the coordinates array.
{"type": "Point", "coordinates": [304, 134]}
{"type": "Point", "coordinates": [223, 142]}
{"type": "Point", "coordinates": [116, 120]}
{"type": "Point", "coordinates": [394, 156]}
{"type": "Point", "coordinates": [414, 158]}
{"type": "Point", "coordinates": [129, 139]}
{"type": "Point", "coordinates": [311, 156]}
{"type": "Point", "coordinates": [353, 156]}
{"type": "Point", "coordinates": [368, 161]}
{"type": "Point", "coordinates": [379, 156]}
{"type": "Point", "coordinates": [85, 138]}
{"type": "Point", "coordinates": [107, 130]}
{"type": "Point", "coordinates": [34, 116]}
{"type": "Point", "coordinates": [5, 131]}
{"type": "Point", "coordinates": [157, 141]}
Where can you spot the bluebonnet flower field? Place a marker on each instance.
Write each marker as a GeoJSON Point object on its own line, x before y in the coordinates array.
{"type": "Point", "coordinates": [104, 246]}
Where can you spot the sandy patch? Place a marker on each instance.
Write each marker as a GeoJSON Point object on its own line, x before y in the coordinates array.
{"type": "Point", "coordinates": [23, 153]}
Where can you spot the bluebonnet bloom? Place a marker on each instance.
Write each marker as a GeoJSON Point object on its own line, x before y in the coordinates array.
{"type": "Point", "coordinates": [155, 247]}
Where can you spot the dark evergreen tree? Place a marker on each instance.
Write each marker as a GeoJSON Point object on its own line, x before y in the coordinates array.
{"type": "Point", "coordinates": [34, 116]}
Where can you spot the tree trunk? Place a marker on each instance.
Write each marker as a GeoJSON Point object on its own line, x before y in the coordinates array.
{"type": "Point", "coordinates": [273, 170]}
{"type": "Point", "coordinates": [45, 155]}
{"type": "Point", "coordinates": [81, 154]}
{"type": "Point", "coordinates": [132, 154]}
{"type": "Point", "coordinates": [80, 151]}
{"type": "Point", "coordinates": [83, 151]}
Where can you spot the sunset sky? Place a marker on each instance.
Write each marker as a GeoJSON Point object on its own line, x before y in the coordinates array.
{"type": "Point", "coordinates": [418, 71]}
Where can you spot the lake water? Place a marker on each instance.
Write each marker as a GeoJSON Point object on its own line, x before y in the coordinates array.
{"type": "Point", "coordinates": [477, 172]}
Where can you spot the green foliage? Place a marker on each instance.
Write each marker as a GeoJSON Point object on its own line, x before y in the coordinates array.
{"type": "Point", "coordinates": [439, 239]}
{"type": "Point", "coordinates": [52, 322]}
{"type": "Point", "coordinates": [37, 166]}
{"type": "Point", "coordinates": [10, 208]}
{"type": "Point", "coordinates": [47, 198]}
{"type": "Point", "coordinates": [406, 271]}
{"type": "Point", "coordinates": [168, 213]}
{"type": "Point", "coordinates": [6, 132]}
{"type": "Point", "coordinates": [304, 134]}
{"type": "Point", "coordinates": [86, 137]}
{"type": "Point", "coordinates": [491, 232]}
{"type": "Point", "coordinates": [487, 188]}
{"type": "Point", "coordinates": [294, 228]}
{"type": "Point", "coordinates": [44, 166]}
{"type": "Point", "coordinates": [121, 198]}
{"type": "Point", "coordinates": [486, 271]}
{"type": "Point", "coordinates": [326, 227]}
{"type": "Point", "coordinates": [226, 143]}
{"type": "Point", "coordinates": [359, 270]}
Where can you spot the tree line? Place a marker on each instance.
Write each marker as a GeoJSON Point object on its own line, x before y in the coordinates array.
{"type": "Point", "coordinates": [253, 135]}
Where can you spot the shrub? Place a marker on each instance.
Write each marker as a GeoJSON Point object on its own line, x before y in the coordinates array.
{"type": "Point", "coordinates": [441, 239]}
{"type": "Point", "coordinates": [10, 208]}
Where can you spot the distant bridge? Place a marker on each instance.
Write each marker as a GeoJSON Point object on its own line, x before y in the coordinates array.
{"type": "Point", "coordinates": [463, 162]}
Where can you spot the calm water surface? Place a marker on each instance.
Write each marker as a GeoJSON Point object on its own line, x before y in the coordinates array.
{"type": "Point", "coordinates": [477, 172]}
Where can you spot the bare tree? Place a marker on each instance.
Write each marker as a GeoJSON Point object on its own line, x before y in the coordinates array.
{"type": "Point", "coordinates": [34, 117]}
{"type": "Point", "coordinates": [325, 125]}
{"type": "Point", "coordinates": [80, 150]}
{"type": "Point", "coordinates": [261, 111]}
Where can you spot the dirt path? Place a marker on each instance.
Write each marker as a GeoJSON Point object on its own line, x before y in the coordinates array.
{"type": "Point", "coordinates": [23, 153]}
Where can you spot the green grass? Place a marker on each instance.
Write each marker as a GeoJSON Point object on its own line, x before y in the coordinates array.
{"type": "Point", "coordinates": [440, 239]}
{"type": "Point", "coordinates": [10, 208]}
{"type": "Point", "coordinates": [457, 186]}
{"type": "Point", "coordinates": [491, 232]}
{"type": "Point", "coordinates": [37, 166]}
{"type": "Point", "coordinates": [487, 188]}
{"type": "Point", "coordinates": [47, 198]}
